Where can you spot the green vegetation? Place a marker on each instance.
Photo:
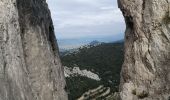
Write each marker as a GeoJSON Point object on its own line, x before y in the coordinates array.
{"type": "Point", "coordinates": [79, 85]}
{"type": "Point", "coordinates": [105, 60]}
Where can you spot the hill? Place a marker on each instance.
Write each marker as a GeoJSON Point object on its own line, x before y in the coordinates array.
{"type": "Point", "coordinates": [104, 59]}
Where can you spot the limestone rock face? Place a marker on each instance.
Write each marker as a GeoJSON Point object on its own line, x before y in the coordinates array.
{"type": "Point", "coordinates": [30, 67]}
{"type": "Point", "coordinates": [146, 70]}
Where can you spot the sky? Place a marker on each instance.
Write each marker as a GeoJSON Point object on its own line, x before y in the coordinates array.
{"type": "Point", "coordinates": [86, 18]}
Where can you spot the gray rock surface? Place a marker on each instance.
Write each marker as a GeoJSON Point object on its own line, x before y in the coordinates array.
{"type": "Point", "coordinates": [146, 70]}
{"type": "Point", "coordinates": [30, 67]}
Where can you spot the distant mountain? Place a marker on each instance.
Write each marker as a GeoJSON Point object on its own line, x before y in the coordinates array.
{"type": "Point", "coordinates": [77, 42]}
{"type": "Point", "coordinates": [95, 43]}
{"type": "Point", "coordinates": [66, 51]}
{"type": "Point", "coordinates": [74, 49]}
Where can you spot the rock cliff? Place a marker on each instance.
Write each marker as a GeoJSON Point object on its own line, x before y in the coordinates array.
{"type": "Point", "coordinates": [146, 70]}
{"type": "Point", "coordinates": [30, 67]}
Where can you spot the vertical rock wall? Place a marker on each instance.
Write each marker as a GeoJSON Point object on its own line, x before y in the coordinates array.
{"type": "Point", "coordinates": [30, 67]}
{"type": "Point", "coordinates": [146, 70]}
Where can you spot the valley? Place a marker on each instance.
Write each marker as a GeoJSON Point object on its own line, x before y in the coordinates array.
{"type": "Point", "coordinates": [93, 71]}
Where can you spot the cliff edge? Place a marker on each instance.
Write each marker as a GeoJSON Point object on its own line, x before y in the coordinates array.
{"type": "Point", "coordinates": [30, 67]}
{"type": "Point", "coordinates": [146, 70]}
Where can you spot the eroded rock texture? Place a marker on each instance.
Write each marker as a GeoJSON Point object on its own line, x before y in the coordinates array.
{"type": "Point", "coordinates": [30, 67]}
{"type": "Point", "coordinates": [146, 70]}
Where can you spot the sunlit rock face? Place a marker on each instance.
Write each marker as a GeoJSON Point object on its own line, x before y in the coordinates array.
{"type": "Point", "coordinates": [73, 72]}
{"type": "Point", "coordinates": [30, 67]}
{"type": "Point", "coordinates": [146, 70]}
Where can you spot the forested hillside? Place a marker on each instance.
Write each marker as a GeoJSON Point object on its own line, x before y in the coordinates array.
{"type": "Point", "coordinates": [104, 59]}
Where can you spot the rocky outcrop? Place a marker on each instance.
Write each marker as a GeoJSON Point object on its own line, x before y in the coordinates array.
{"type": "Point", "coordinates": [146, 69]}
{"type": "Point", "coordinates": [30, 67]}
{"type": "Point", "coordinates": [75, 71]}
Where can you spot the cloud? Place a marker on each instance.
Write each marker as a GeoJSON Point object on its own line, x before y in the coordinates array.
{"type": "Point", "coordinates": [88, 19]}
{"type": "Point", "coordinates": [107, 8]}
{"type": "Point", "coordinates": [78, 18]}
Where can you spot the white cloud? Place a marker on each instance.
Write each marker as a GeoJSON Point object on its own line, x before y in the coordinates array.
{"type": "Point", "coordinates": [107, 8]}
{"type": "Point", "coordinates": [86, 17]}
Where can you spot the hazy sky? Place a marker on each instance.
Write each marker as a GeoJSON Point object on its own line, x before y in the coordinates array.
{"type": "Point", "coordinates": [84, 18]}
